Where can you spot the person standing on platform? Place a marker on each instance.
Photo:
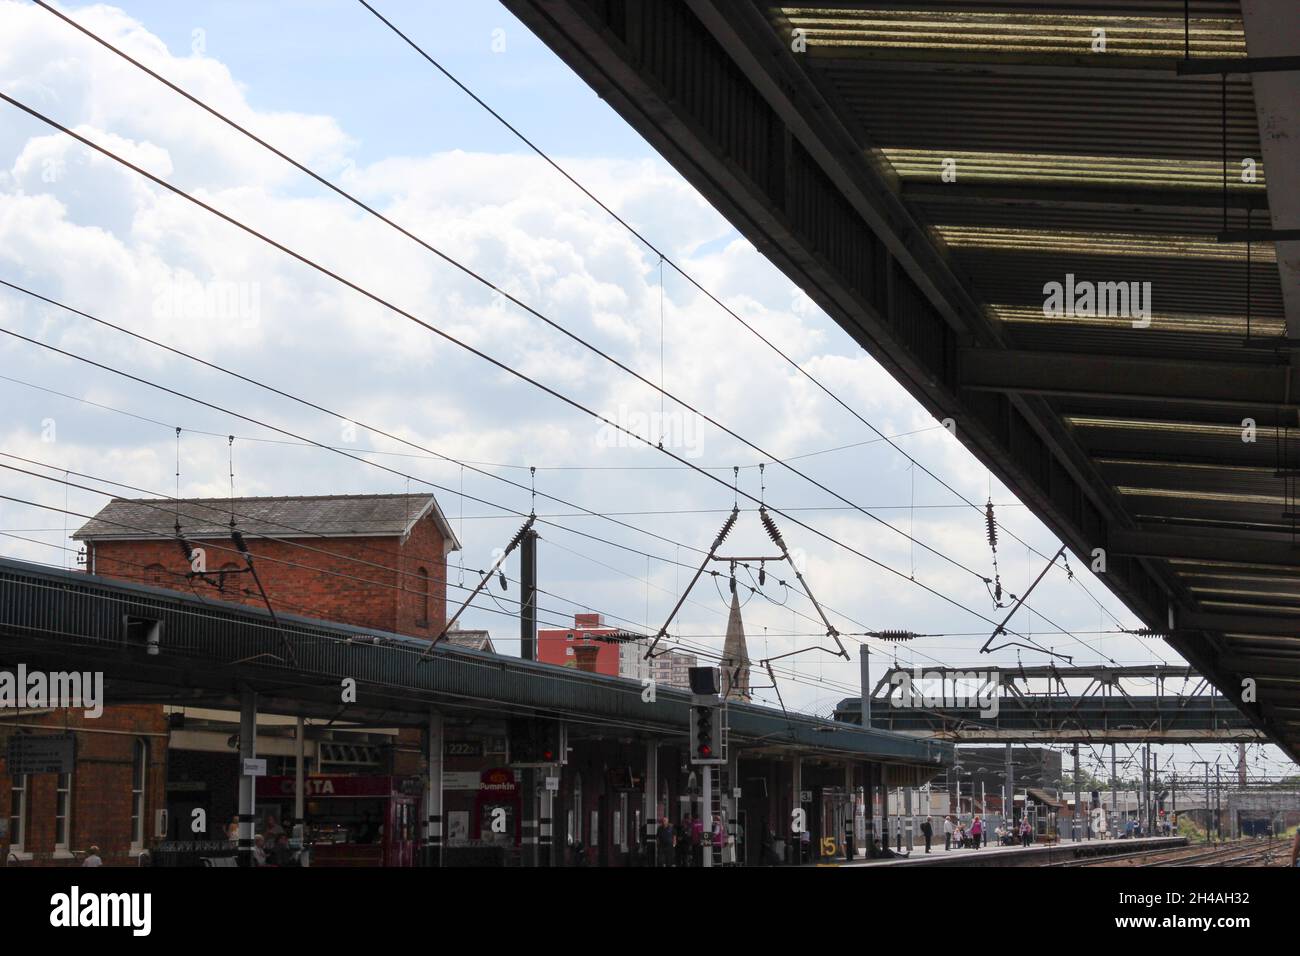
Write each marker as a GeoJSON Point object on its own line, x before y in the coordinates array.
{"type": "Point", "coordinates": [947, 833]}
{"type": "Point", "coordinates": [927, 831]}
{"type": "Point", "coordinates": [684, 841]}
{"type": "Point", "coordinates": [977, 831]}
{"type": "Point", "coordinates": [664, 843]}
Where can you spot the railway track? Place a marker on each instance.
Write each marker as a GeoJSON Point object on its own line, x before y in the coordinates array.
{"type": "Point", "coordinates": [1123, 859]}
{"type": "Point", "coordinates": [1247, 853]}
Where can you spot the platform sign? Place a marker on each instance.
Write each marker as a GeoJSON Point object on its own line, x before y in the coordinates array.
{"type": "Point", "coordinates": [255, 767]}
{"type": "Point", "coordinates": [28, 753]}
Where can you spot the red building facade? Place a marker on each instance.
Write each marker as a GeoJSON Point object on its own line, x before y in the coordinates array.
{"type": "Point", "coordinates": [374, 561]}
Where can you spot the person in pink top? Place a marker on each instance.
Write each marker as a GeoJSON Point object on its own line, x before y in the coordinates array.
{"type": "Point", "coordinates": [977, 830]}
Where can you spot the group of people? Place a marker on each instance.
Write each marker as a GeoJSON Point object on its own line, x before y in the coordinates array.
{"type": "Point", "coordinates": [270, 846]}
{"type": "Point", "coordinates": [1011, 834]}
{"type": "Point", "coordinates": [956, 833]}
{"type": "Point", "coordinates": [685, 843]}
{"type": "Point", "coordinates": [976, 834]}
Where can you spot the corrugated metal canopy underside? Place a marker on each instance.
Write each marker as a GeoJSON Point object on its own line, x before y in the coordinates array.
{"type": "Point", "coordinates": [992, 148]}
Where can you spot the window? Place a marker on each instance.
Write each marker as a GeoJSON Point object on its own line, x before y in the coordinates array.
{"type": "Point", "coordinates": [155, 574]}
{"type": "Point", "coordinates": [422, 584]}
{"type": "Point", "coordinates": [139, 776]}
{"type": "Point", "coordinates": [18, 813]}
{"type": "Point", "coordinates": [63, 812]}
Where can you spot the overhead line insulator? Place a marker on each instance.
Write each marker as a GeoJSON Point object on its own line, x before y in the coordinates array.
{"type": "Point", "coordinates": [770, 527]}
{"type": "Point", "coordinates": [895, 635]}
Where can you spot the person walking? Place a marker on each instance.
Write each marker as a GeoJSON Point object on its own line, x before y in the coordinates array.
{"type": "Point", "coordinates": [947, 833]}
{"type": "Point", "coordinates": [927, 831]}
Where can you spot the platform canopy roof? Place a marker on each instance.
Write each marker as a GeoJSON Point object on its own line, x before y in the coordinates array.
{"type": "Point", "coordinates": [926, 170]}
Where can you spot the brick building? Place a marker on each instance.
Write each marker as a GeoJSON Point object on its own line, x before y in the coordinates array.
{"type": "Point", "coordinates": [611, 653]}
{"type": "Point", "coordinates": [375, 561]}
{"type": "Point", "coordinates": [370, 560]}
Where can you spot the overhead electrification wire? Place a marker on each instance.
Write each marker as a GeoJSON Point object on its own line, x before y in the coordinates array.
{"type": "Point", "coordinates": [668, 260]}
{"type": "Point", "coordinates": [284, 541]}
{"type": "Point", "coordinates": [309, 442]}
{"type": "Point", "coordinates": [699, 650]}
{"type": "Point", "coordinates": [446, 335]}
{"type": "Point", "coordinates": [450, 260]}
{"type": "Point", "coordinates": [503, 366]}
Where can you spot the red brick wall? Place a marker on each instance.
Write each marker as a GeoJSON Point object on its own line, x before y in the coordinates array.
{"type": "Point", "coordinates": [366, 582]}
{"type": "Point", "coordinates": [101, 784]}
{"type": "Point", "coordinates": [422, 551]}
{"type": "Point", "coordinates": [334, 579]}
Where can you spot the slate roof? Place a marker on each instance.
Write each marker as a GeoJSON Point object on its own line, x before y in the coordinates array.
{"type": "Point", "coordinates": [280, 517]}
{"type": "Point", "coordinates": [474, 640]}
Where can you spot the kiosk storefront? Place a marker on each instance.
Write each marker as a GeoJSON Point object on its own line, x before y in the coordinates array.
{"type": "Point", "coordinates": [351, 820]}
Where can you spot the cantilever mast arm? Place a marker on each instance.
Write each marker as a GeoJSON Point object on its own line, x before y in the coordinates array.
{"type": "Point", "coordinates": [514, 543]}
{"type": "Point", "coordinates": [717, 543]}
{"type": "Point", "coordinates": [772, 532]}
{"type": "Point", "coordinates": [238, 538]}
{"type": "Point", "coordinates": [1002, 628]}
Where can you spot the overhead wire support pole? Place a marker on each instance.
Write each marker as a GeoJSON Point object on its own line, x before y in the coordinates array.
{"type": "Point", "coordinates": [514, 543]}
{"type": "Point", "coordinates": [713, 549]}
{"type": "Point", "coordinates": [1001, 628]}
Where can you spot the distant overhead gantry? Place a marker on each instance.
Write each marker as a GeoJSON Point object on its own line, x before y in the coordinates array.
{"type": "Point", "coordinates": [1035, 704]}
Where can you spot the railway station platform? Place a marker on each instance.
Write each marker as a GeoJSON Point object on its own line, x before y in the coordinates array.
{"type": "Point", "coordinates": [1037, 854]}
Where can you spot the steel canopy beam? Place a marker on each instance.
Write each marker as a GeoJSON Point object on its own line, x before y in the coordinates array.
{"type": "Point", "coordinates": [1071, 195]}
{"type": "Point", "coordinates": [1243, 624]}
{"type": "Point", "coordinates": [1077, 374]}
{"type": "Point", "coordinates": [1158, 544]}
{"type": "Point", "coordinates": [1202, 66]}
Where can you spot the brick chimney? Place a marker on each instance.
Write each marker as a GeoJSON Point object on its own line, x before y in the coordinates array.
{"type": "Point", "coordinates": [584, 657]}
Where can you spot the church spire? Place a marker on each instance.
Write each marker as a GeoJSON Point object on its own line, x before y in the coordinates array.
{"type": "Point", "coordinates": [735, 657]}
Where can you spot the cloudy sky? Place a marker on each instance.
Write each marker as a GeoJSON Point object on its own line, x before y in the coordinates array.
{"type": "Point", "coordinates": [328, 84]}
